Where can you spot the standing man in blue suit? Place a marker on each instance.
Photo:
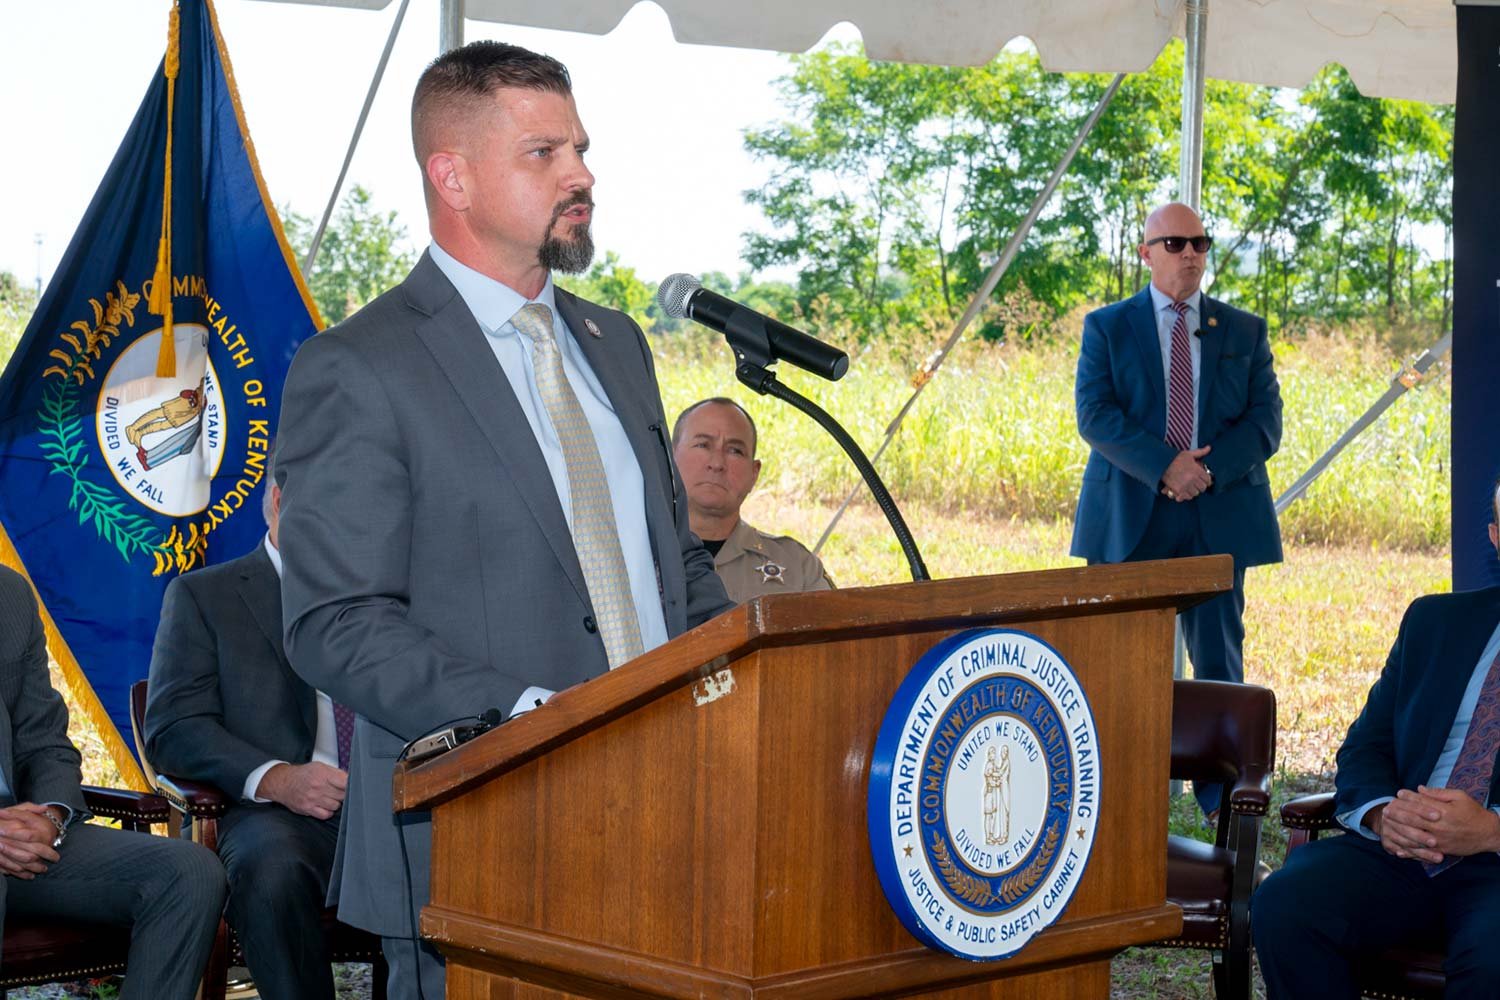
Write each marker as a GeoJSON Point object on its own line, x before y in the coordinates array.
{"type": "Point", "coordinates": [1179, 403]}
{"type": "Point", "coordinates": [1416, 789]}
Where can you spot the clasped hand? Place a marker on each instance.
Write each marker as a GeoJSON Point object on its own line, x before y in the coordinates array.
{"type": "Point", "coordinates": [26, 836]}
{"type": "Point", "coordinates": [1187, 476]}
{"type": "Point", "coordinates": [1431, 823]}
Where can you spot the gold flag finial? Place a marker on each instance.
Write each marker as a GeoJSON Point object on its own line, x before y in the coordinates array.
{"type": "Point", "coordinates": [160, 302]}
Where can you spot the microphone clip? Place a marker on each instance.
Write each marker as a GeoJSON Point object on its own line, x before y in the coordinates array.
{"type": "Point", "coordinates": [449, 736]}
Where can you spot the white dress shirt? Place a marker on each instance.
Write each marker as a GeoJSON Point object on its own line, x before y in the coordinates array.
{"type": "Point", "coordinates": [493, 304]}
{"type": "Point", "coordinates": [1442, 770]}
{"type": "Point", "coordinates": [1166, 318]}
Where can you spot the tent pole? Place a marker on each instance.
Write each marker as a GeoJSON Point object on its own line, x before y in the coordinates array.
{"type": "Point", "coordinates": [1195, 37]}
{"type": "Point", "coordinates": [359, 127]}
{"type": "Point", "coordinates": [986, 287]}
{"type": "Point", "coordinates": [451, 25]}
{"type": "Point", "coordinates": [1190, 193]}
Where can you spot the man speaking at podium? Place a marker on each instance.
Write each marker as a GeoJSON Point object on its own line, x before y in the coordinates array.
{"type": "Point", "coordinates": [479, 502]}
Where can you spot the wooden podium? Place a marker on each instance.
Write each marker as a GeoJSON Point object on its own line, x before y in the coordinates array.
{"type": "Point", "coordinates": [693, 824]}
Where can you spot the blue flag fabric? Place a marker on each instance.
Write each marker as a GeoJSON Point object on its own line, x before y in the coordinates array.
{"type": "Point", "coordinates": [115, 478]}
{"type": "Point", "coordinates": [1476, 297]}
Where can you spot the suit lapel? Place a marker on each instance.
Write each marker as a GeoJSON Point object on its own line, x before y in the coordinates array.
{"type": "Point", "coordinates": [260, 589]}
{"type": "Point", "coordinates": [604, 357]}
{"type": "Point", "coordinates": [615, 356]}
{"type": "Point", "coordinates": [1454, 660]}
{"type": "Point", "coordinates": [457, 344]}
{"type": "Point", "coordinates": [1210, 346]}
{"type": "Point", "coordinates": [1142, 318]}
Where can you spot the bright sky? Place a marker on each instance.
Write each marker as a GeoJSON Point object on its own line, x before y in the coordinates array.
{"type": "Point", "coordinates": [666, 120]}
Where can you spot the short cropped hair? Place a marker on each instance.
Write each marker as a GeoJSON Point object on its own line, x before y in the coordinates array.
{"type": "Point", "coordinates": [460, 77]}
{"type": "Point", "coordinates": [268, 481]}
{"type": "Point", "coordinates": [719, 401]}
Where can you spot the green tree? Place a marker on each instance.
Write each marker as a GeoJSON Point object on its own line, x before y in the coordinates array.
{"type": "Point", "coordinates": [612, 284]}
{"type": "Point", "coordinates": [17, 303]}
{"type": "Point", "coordinates": [362, 254]}
{"type": "Point", "coordinates": [858, 194]}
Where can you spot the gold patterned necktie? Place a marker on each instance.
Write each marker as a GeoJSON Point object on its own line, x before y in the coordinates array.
{"type": "Point", "coordinates": [595, 537]}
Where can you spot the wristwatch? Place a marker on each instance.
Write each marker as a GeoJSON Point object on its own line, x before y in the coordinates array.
{"type": "Point", "coordinates": [62, 829]}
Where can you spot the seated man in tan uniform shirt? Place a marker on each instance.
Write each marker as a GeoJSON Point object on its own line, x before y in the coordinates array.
{"type": "Point", "coordinates": [714, 445]}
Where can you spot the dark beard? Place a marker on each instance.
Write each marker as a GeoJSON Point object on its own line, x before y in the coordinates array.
{"type": "Point", "coordinates": [572, 255]}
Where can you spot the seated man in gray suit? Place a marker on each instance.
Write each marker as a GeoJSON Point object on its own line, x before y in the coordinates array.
{"type": "Point", "coordinates": [169, 892]}
{"type": "Point", "coordinates": [224, 707]}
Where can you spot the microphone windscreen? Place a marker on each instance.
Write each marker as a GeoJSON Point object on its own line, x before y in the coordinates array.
{"type": "Point", "coordinates": [673, 294]}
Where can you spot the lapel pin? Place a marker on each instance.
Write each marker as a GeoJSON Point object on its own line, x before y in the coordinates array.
{"type": "Point", "coordinates": [592, 327]}
{"type": "Point", "coordinates": [1213, 321]}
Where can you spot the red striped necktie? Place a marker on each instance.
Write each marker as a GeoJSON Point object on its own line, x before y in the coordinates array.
{"type": "Point", "coordinates": [1180, 405]}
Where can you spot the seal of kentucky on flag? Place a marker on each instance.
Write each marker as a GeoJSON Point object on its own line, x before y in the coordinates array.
{"type": "Point", "coordinates": [137, 413]}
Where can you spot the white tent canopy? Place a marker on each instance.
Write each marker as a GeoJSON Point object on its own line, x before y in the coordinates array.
{"type": "Point", "coordinates": [1391, 48]}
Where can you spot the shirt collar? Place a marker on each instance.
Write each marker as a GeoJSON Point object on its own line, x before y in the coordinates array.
{"type": "Point", "coordinates": [492, 302]}
{"type": "Point", "coordinates": [1160, 300]}
{"type": "Point", "coordinates": [274, 554]}
{"type": "Point", "coordinates": [743, 539]}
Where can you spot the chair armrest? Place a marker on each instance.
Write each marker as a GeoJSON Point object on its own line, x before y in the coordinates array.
{"type": "Point", "coordinates": [1251, 795]}
{"type": "Point", "coordinates": [1305, 817]}
{"type": "Point", "coordinates": [192, 798]}
{"type": "Point", "coordinates": [1310, 812]}
{"type": "Point", "coordinates": [126, 806]}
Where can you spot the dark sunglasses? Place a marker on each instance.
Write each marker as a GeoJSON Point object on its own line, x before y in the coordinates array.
{"type": "Point", "coordinates": [1174, 244]}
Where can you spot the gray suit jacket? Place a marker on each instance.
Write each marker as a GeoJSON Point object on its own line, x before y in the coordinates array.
{"type": "Point", "coordinates": [40, 763]}
{"type": "Point", "coordinates": [430, 573]}
{"type": "Point", "coordinates": [222, 698]}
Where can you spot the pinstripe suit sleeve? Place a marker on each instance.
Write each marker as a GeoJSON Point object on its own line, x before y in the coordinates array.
{"type": "Point", "coordinates": [45, 766]}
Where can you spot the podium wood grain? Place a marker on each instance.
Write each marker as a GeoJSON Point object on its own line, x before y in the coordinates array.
{"type": "Point", "coordinates": [693, 824]}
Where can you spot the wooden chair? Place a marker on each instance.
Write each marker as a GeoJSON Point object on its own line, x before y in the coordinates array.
{"type": "Point", "coordinates": [1223, 733]}
{"type": "Point", "coordinates": [201, 806]}
{"type": "Point", "coordinates": [51, 950]}
{"type": "Point", "coordinates": [1408, 973]}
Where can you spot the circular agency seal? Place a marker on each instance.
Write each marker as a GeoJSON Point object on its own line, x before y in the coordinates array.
{"type": "Point", "coordinates": [163, 439]}
{"type": "Point", "coordinates": [984, 793]}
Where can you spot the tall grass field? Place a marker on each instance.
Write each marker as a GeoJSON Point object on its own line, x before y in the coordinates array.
{"type": "Point", "coordinates": [987, 468]}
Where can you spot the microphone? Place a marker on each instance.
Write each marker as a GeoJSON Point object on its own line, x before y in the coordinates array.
{"type": "Point", "coordinates": [757, 339]}
{"type": "Point", "coordinates": [450, 735]}
{"type": "Point", "coordinates": [1198, 333]}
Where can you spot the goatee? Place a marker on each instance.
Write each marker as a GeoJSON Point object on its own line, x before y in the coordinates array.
{"type": "Point", "coordinates": [573, 254]}
{"type": "Point", "coordinates": [568, 256]}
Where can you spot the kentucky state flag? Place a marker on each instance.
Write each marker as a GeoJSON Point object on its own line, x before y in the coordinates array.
{"type": "Point", "coordinates": [137, 413]}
